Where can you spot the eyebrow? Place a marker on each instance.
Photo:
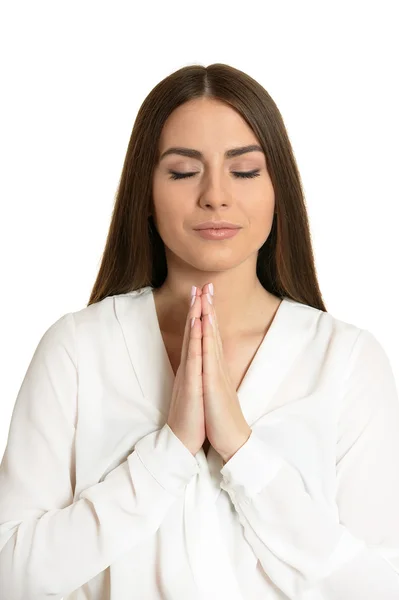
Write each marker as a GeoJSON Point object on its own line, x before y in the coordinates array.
{"type": "Point", "coordinates": [191, 153]}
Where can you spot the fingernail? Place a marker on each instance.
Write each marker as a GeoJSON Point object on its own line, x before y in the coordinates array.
{"type": "Point", "coordinates": [210, 318]}
{"type": "Point", "coordinates": [192, 321]}
{"type": "Point", "coordinates": [210, 286]}
{"type": "Point", "coordinates": [193, 299]}
{"type": "Point", "coordinates": [209, 298]}
{"type": "Point", "coordinates": [193, 290]}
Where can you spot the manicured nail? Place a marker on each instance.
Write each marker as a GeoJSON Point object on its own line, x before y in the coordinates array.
{"type": "Point", "coordinates": [210, 286]}
{"type": "Point", "coordinates": [193, 299]}
{"type": "Point", "coordinates": [209, 298]}
{"type": "Point", "coordinates": [210, 318]}
{"type": "Point", "coordinates": [192, 321]}
{"type": "Point", "coordinates": [193, 290]}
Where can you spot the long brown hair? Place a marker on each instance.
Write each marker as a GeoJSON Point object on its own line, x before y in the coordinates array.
{"type": "Point", "coordinates": [134, 254]}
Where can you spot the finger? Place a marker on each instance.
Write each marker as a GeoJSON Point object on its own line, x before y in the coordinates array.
{"type": "Point", "coordinates": [194, 311]}
{"type": "Point", "coordinates": [219, 342]}
{"type": "Point", "coordinates": [208, 308]}
{"type": "Point", "coordinates": [193, 358]}
{"type": "Point", "coordinates": [210, 358]}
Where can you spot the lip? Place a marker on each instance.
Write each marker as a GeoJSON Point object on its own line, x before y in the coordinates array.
{"type": "Point", "coordinates": [218, 234]}
{"type": "Point", "coordinates": [217, 225]}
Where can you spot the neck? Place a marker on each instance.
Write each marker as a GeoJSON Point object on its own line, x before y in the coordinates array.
{"type": "Point", "coordinates": [241, 303]}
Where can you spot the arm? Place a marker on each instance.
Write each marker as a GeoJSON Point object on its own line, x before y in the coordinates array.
{"type": "Point", "coordinates": [305, 550]}
{"type": "Point", "coordinates": [50, 545]}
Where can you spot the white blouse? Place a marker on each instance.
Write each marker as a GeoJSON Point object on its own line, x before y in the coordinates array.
{"type": "Point", "coordinates": [99, 500]}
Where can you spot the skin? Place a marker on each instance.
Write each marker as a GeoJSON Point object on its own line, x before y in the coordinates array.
{"type": "Point", "coordinates": [241, 302]}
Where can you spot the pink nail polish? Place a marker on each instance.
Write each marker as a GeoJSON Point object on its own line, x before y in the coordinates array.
{"type": "Point", "coordinates": [210, 318]}
{"type": "Point", "coordinates": [209, 298]}
{"type": "Point", "coordinates": [211, 288]}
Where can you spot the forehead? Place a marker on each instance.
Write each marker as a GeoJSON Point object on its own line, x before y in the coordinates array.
{"type": "Point", "coordinates": [206, 122]}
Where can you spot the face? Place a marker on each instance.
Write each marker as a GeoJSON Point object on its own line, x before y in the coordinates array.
{"type": "Point", "coordinates": [210, 187]}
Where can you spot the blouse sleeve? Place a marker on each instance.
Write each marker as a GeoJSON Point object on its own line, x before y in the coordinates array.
{"type": "Point", "coordinates": [309, 554]}
{"type": "Point", "coordinates": [49, 544]}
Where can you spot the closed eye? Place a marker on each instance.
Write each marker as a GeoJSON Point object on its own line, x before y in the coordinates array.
{"type": "Point", "coordinates": [237, 174]}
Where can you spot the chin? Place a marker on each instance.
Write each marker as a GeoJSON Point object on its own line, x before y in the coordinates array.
{"type": "Point", "coordinates": [216, 262]}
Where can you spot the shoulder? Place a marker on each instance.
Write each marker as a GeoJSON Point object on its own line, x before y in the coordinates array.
{"type": "Point", "coordinates": [104, 312]}
{"type": "Point", "coordinates": [322, 324]}
{"type": "Point", "coordinates": [89, 322]}
{"type": "Point", "coordinates": [358, 348]}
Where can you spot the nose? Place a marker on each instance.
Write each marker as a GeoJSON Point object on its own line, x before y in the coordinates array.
{"type": "Point", "coordinates": [214, 192]}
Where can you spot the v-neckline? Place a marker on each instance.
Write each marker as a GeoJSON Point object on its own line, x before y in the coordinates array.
{"type": "Point", "coordinates": [267, 339]}
{"type": "Point", "coordinates": [293, 326]}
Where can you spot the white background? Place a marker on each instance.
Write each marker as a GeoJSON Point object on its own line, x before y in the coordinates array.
{"type": "Point", "coordinates": [73, 75]}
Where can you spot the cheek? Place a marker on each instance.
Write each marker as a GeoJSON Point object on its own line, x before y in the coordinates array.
{"type": "Point", "coordinates": [166, 204]}
{"type": "Point", "coordinates": [172, 217]}
{"type": "Point", "coordinates": [260, 209]}
{"type": "Point", "coordinates": [174, 211]}
{"type": "Point", "coordinates": [257, 201]}
{"type": "Point", "coordinates": [262, 213]}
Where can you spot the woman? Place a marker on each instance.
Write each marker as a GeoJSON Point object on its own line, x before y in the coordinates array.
{"type": "Point", "coordinates": [252, 455]}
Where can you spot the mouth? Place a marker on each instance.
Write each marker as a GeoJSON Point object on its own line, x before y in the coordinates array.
{"type": "Point", "coordinates": [217, 225]}
{"type": "Point", "coordinates": [217, 233]}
